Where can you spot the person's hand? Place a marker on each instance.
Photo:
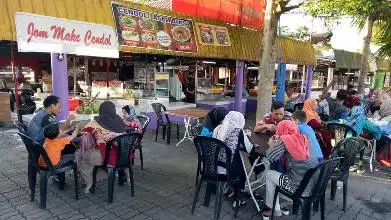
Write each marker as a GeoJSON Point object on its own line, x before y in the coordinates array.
{"type": "Point", "coordinates": [71, 117]}
{"type": "Point", "coordinates": [271, 127]}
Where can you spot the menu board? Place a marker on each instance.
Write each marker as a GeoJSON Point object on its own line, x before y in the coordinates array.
{"type": "Point", "coordinates": [213, 35]}
{"type": "Point", "coordinates": [145, 29]}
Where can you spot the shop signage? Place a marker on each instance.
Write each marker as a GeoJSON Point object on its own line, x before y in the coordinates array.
{"type": "Point", "coordinates": [36, 33]}
{"type": "Point", "coordinates": [213, 35]}
{"type": "Point", "coordinates": [136, 28]}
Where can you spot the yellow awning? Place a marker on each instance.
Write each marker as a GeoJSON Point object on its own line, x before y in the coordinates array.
{"type": "Point", "coordinates": [291, 51]}
{"type": "Point", "coordinates": [383, 64]}
{"type": "Point", "coordinates": [245, 44]}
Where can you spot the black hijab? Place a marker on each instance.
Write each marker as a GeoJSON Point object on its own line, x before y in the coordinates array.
{"type": "Point", "coordinates": [214, 118]}
{"type": "Point", "coordinates": [109, 119]}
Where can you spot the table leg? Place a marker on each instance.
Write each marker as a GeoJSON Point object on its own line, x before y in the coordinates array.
{"type": "Point", "coordinates": [186, 136]}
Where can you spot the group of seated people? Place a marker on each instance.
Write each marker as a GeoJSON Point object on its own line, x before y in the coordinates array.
{"type": "Point", "coordinates": [91, 137]}
{"type": "Point", "coordinates": [298, 141]}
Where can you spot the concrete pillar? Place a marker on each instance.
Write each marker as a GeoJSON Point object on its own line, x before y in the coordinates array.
{"type": "Point", "coordinates": [60, 83]}
{"type": "Point", "coordinates": [308, 88]}
{"type": "Point", "coordinates": [281, 77]}
{"type": "Point", "coordinates": [302, 80]}
{"type": "Point", "coordinates": [330, 75]}
{"type": "Point", "coordinates": [239, 85]}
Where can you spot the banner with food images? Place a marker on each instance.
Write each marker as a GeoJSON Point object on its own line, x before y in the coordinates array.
{"type": "Point", "coordinates": [213, 35]}
{"type": "Point", "coordinates": [137, 28]}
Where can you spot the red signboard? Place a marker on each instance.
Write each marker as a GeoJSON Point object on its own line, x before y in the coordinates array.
{"type": "Point", "coordinates": [247, 13]}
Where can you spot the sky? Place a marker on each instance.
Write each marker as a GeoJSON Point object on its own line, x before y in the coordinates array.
{"type": "Point", "coordinates": [345, 35]}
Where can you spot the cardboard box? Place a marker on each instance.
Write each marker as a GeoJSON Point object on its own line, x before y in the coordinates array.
{"type": "Point", "coordinates": [5, 112]}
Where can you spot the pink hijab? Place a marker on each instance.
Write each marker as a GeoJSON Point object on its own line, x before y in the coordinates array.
{"type": "Point", "coordinates": [296, 144]}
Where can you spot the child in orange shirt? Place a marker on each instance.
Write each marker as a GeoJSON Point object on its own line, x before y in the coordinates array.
{"type": "Point", "coordinates": [59, 149]}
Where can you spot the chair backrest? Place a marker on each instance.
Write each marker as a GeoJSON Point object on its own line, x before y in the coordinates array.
{"type": "Point", "coordinates": [319, 176]}
{"type": "Point", "coordinates": [214, 155]}
{"type": "Point", "coordinates": [298, 106]}
{"type": "Point", "coordinates": [340, 131]}
{"type": "Point", "coordinates": [35, 150]}
{"type": "Point", "coordinates": [159, 108]}
{"type": "Point", "coordinates": [20, 126]}
{"type": "Point", "coordinates": [348, 148]}
{"type": "Point", "coordinates": [144, 120]}
{"type": "Point", "coordinates": [124, 145]}
{"type": "Point", "coordinates": [196, 129]}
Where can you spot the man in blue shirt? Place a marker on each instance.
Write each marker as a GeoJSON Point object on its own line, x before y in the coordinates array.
{"type": "Point", "coordinates": [300, 118]}
{"type": "Point", "coordinates": [42, 118]}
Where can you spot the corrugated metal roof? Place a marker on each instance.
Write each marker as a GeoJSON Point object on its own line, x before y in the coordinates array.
{"type": "Point", "coordinates": [163, 4]}
{"type": "Point", "coordinates": [347, 60]}
{"type": "Point", "coordinates": [383, 64]}
{"type": "Point", "coordinates": [295, 52]}
{"type": "Point", "coordinates": [246, 44]}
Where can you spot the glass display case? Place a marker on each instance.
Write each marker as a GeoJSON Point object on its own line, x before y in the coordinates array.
{"type": "Point", "coordinates": [116, 89]}
{"type": "Point", "coordinates": [99, 89]}
{"type": "Point", "coordinates": [162, 85]}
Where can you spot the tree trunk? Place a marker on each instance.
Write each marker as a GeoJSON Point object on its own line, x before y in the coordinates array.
{"type": "Point", "coordinates": [267, 60]}
{"type": "Point", "coordinates": [366, 51]}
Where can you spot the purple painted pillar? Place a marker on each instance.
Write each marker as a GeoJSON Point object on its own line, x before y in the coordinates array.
{"type": "Point", "coordinates": [239, 85]}
{"type": "Point", "coordinates": [60, 83]}
{"type": "Point", "coordinates": [310, 73]}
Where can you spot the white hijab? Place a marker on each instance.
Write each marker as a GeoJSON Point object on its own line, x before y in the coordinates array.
{"type": "Point", "coordinates": [231, 121]}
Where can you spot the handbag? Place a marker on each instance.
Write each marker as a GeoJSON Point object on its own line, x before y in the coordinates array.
{"type": "Point", "coordinates": [88, 150]}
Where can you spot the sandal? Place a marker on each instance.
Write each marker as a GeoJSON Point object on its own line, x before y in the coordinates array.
{"type": "Point", "coordinates": [241, 203]}
{"type": "Point", "coordinates": [229, 192]}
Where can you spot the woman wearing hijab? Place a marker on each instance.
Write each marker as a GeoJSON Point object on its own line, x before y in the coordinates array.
{"type": "Point", "coordinates": [358, 121]}
{"type": "Point", "coordinates": [212, 120]}
{"type": "Point", "coordinates": [384, 113]}
{"type": "Point", "coordinates": [130, 118]}
{"type": "Point", "coordinates": [230, 131]}
{"type": "Point", "coordinates": [314, 121]}
{"type": "Point", "coordinates": [295, 148]}
{"type": "Point", "coordinates": [382, 119]}
{"type": "Point", "coordinates": [105, 127]}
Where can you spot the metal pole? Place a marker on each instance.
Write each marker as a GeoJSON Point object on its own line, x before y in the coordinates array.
{"type": "Point", "coordinates": [107, 75]}
{"type": "Point", "coordinates": [15, 80]}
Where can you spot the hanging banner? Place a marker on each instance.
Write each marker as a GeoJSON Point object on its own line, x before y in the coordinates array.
{"type": "Point", "coordinates": [213, 35]}
{"type": "Point", "coordinates": [136, 28]}
{"type": "Point", "coordinates": [37, 33]}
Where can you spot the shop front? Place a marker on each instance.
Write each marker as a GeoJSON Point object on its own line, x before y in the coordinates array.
{"type": "Point", "coordinates": [134, 54]}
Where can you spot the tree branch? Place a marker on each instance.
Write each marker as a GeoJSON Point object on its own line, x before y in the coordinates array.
{"type": "Point", "coordinates": [285, 9]}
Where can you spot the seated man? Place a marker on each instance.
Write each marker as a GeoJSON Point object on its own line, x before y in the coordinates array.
{"type": "Point", "coordinates": [269, 122]}
{"type": "Point", "coordinates": [337, 108]}
{"type": "Point", "coordinates": [52, 107]}
{"type": "Point", "coordinates": [300, 118]}
{"type": "Point", "coordinates": [42, 118]}
{"type": "Point", "coordinates": [290, 99]}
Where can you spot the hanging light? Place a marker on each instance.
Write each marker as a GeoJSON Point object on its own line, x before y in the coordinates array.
{"type": "Point", "coordinates": [93, 62]}
{"type": "Point", "coordinates": [121, 63]}
{"type": "Point", "coordinates": [100, 62]}
{"type": "Point", "coordinates": [115, 64]}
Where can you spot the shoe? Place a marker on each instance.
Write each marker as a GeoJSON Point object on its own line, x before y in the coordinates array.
{"type": "Point", "coordinates": [267, 212]}
{"type": "Point", "coordinates": [285, 211]}
{"type": "Point", "coordinates": [87, 189]}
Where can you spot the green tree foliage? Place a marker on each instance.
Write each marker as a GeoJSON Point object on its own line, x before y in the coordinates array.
{"type": "Point", "coordinates": [301, 33]}
{"type": "Point", "coordinates": [367, 14]}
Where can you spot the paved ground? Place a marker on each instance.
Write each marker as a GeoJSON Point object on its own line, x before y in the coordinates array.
{"type": "Point", "coordinates": [164, 190]}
